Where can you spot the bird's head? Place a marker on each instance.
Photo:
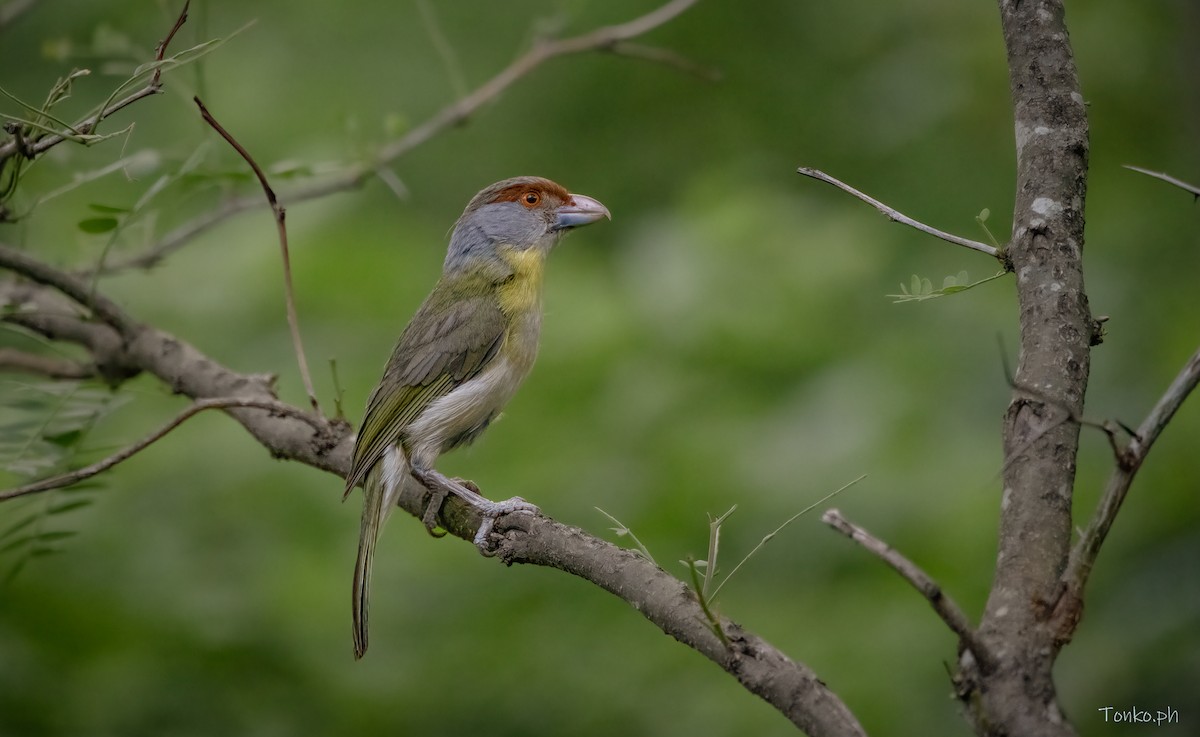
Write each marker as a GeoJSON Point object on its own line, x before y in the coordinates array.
{"type": "Point", "coordinates": [518, 215]}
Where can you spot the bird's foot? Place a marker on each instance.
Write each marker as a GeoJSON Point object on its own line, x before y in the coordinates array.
{"type": "Point", "coordinates": [433, 509]}
{"type": "Point", "coordinates": [490, 510]}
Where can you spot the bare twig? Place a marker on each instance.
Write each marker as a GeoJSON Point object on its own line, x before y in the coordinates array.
{"type": "Point", "coordinates": [161, 48]}
{"type": "Point", "coordinates": [74, 477]}
{"type": "Point", "coordinates": [1190, 188]}
{"type": "Point", "coordinates": [12, 359]}
{"type": "Point", "coordinates": [771, 535]}
{"type": "Point", "coordinates": [72, 286]}
{"type": "Point", "coordinates": [1083, 555]}
{"type": "Point", "coordinates": [899, 217]}
{"type": "Point", "coordinates": [666, 57]}
{"type": "Point", "coordinates": [281, 226]}
{"type": "Point", "coordinates": [42, 144]}
{"type": "Point", "coordinates": [941, 602]}
{"type": "Point", "coordinates": [457, 113]}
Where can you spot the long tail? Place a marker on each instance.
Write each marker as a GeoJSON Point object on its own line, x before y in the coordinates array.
{"type": "Point", "coordinates": [372, 518]}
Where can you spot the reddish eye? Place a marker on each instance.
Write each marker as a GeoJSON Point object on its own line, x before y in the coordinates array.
{"type": "Point", "coordinates": [531, 198]}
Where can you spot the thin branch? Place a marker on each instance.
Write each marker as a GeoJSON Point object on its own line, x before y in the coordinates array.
{"type": "Point", "coordinates": [281, 226]}
{"type": "Point", "coordinates": [161, 49]}
{"type": "Point", "coordinates": [602, 39]}
{"type": "Point", "coordinates": [668, 58]}
{"type": "Point", "coordinates": [1190, 188]}
{"type": "Point", "coordinates": [74, 477]}
{"type": "Point", "coordinates": [770, 535]}
{"type": "Point", "coordinates": [898, 217]}
{"type": "Point", "coordinates": [941, 602]}
{"type": "Point", "coordinates": [1083, 555]}
{"type": "Point", "coordinates": [12, 359]}
{"type": "Point", "coordinates": [71, 286]}
{"type": "Point", "coordinates": [88, 124]}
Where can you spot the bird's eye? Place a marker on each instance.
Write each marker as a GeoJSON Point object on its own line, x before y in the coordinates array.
{"type": "Point", "coordinates": [531, 198]}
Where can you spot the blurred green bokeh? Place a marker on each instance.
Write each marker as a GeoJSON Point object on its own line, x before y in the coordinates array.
{"type": "Point", "coordinates": [724, 340]}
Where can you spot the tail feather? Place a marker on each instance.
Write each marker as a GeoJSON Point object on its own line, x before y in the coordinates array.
{"type": "Point", "coordinates": [372, 517]}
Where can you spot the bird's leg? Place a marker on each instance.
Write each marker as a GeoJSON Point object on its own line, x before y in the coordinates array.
{"type": "Point", "coordinates": [439, 484]}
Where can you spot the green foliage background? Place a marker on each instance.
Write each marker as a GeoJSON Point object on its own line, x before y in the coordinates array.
{"type": "Point", "coordinates": [725, 340]}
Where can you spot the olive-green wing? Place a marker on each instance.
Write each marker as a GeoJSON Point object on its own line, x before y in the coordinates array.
{"type": "Point", "coordinates": [442, 347]}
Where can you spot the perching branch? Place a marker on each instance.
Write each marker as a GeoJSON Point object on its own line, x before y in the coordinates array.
{"type": "Point", "coordinates": [898, 217]}
{"type": "Point", "coordinates": [941, 602]}
{"type": "Point", "coordinates": [74, 477]}
{"type": "Point", "coordinates": [608, 38]}
{"type": "Point", "coordinates": [289, 296]}
{"type": "Point", "coordinates": [293, 434]}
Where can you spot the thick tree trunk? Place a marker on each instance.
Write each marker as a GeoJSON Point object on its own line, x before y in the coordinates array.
{"type": "Point", "coordinates": [1041, 434]}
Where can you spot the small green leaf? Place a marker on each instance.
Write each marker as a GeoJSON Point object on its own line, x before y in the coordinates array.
{"type": "Point", "coordinates": [48, 537]}
{"type": "Point", "coordinates": [108, 209]}
{"type": "Point", "coordinates": [983, 215]}
{"type": "Point", "coordinates": [69, 506]}
{"type": "Point", "coordinates": [66, 438]}
{"type": "Point", "coordinates": [98, 225]}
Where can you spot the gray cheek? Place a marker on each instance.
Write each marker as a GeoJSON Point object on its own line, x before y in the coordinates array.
{"type": "Point", "coordinates": [509, 223]}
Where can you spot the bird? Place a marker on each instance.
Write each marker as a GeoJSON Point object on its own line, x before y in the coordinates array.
{"type": "Point", "coordinates": [460, 359]}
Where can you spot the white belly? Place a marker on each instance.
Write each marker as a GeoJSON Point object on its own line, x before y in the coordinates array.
{"type": "Point", "coordinates": [466, 409]}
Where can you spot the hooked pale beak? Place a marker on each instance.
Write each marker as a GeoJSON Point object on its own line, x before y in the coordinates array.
{"type": "Point", "coordinates": [579, 210]}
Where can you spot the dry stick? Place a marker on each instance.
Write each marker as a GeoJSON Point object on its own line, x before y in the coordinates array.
{"type": "Point", "coordinates": [74, 477]}
{"type": "Point", "coordinates": [1193, 189]}
{"type": "Point", "coordinates": [88, 124]}
{"type": "Point", "coordinates": [941, 602]}
{"type": "Point", "coordinates": [898, 217]}
{"type": "Point", "coordinates": [12, 359]}
{"type": "Point", "coordinates": [1083, 555]}
{"type": "Point", "coordinates": [608, 38]}
{"type": "Point", "coordinates": [280, 216]}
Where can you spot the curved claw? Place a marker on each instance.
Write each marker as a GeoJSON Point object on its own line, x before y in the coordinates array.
{"type": "Point", "coordinates": [495, 510]}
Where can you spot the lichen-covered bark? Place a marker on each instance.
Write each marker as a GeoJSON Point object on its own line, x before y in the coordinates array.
{"type": "Point", "coordinates": [1017, 696]}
